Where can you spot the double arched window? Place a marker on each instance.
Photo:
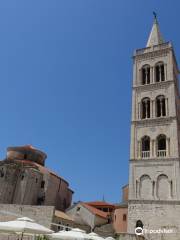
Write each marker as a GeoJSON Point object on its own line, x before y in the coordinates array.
{"type": "Point", "coordinates": [160, 106]}
{"type": "Point", "coordinates": [159, 72]}
{"type": "Point", "coordinates": [148, 146]}
{"type": "Point", "coordinates": [149, 108]}
{"type": "Point", "coordinates": [145, 108]}
{"type": "Point", "coordinates": [145, 74]}
{"type": "Point", "coordinates": [150, 74]}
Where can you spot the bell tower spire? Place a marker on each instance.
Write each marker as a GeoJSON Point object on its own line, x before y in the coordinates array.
{"type": "Point", "coordinates": [155, 36]}
{"type": "Point", "coordinates": [154, 166]}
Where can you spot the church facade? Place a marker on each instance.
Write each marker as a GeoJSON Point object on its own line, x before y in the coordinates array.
{"type": "Point", "coordinates": [154, 174]}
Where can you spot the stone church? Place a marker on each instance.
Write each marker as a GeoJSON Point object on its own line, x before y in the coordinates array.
{"type": "Point", "coordinates": [25, 180]}
{"type": "Point", "coordinates": [154, 174]}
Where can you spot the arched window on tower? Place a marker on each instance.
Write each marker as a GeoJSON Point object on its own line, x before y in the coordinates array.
{"type": "Point", "coordinates": [159, 72]}
{"type": "Point", "coordinates": [145, 146]}
{"type": "Point", "coordinates": [145, 108]}
{"type": "Point", "coordinates": [145, 74]}
{"type": "Point", "coordinates": [160, 106]}
{"type": "Point", "coordinates": [161, 145]}
{"type": "Point", "coordinates": [139, 224]}
{"type": "Point", "coordinates": [139, 227]}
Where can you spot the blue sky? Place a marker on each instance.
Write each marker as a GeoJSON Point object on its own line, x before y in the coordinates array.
{"type": "Point", "coordinates": [65, 74]}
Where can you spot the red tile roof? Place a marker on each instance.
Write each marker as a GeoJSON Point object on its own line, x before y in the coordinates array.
{"type": "Point", "coordinates": [27, 147]}
{"type": "Point", "coordinates": [100, 204]}
{"type": "Point", "coordinates": [95, 211]}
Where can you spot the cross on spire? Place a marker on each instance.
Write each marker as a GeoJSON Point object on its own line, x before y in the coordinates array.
{"type": "Point", "coordinates": [155, 15]}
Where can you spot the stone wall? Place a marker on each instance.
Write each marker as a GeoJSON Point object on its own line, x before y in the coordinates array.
{"type": "Point", "coordinates": [7, 184]}
{"type": "Point", "coordinates": [58, 193]}
{"type": "Point", "coordinates": [155, 179]}
{"type": "Point", "coordinates": [19, 184]}
{"type": "Point", "coordinates": [41, 214]}
{"type": "Point", "coordinates": [156, 216]}
{"type": "Point", "coordinates": [27, 186]}
{"type": "Point", "coordinates": [125, 193]}
{"type": "Point", "coordinates": [105, 230]}
{"type": "Point", "coordinates": [25, 180]}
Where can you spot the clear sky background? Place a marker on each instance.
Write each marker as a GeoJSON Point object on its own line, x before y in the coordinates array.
{"type": "Point", "coordinates": [65, 74]}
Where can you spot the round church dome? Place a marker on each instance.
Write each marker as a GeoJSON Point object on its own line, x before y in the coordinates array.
{"type": "Point", "coordinates": [26, 152]}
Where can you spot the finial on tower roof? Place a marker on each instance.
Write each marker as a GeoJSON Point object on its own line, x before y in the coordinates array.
{"type": "Point", "coordinates": [155, 37]}
{"type": "Point", "coordinates": [155, 15]}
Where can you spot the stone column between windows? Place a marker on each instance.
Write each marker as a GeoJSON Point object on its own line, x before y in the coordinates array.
{"type": "Point", "coordinates": [151, 108]}
{"type": "Point", "coordinates": [139, 149]}
{"type": "Point", "coordinates": [166, 102]}
{"type": "Point", "coordinates": [139, 110]}
{"type": "Point", "coordinates": [146, 75]}
{"type": "Point", "coordinates": [161, 107]}
{"type": "Point", "coordinates": [165, 71]}
{"type": "Point", "coordinates": [151, 75]}
{"type": "Point", "coordinates": [155, 108]}
{"type": "Point", "coordinates": [137, 189]}
{"type": "Point", "coordinates": [167, 147]}
{"type": "Point", "coordinates": [172, 195]}
{"type": "Point", "coordinates": [160, 76]}
{"type": "Point", "coordinates": [174, 189]}
{"type": "Point", "coordinates": [146, 108]}
{"type": "Point", "coordinates": [151, 148]}
{"type": "Point", "coordinates": [139, 77]}
{"type": "Point", "coordinates": [155, 148]}
{"type": "Point", "coordinates": [154, 78]}
{"type": "Point", "coordinates": [155, 190]}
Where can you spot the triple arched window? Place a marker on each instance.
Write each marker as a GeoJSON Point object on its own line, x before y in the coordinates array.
{"type": "Point", "coordinates": [153, 74]}
{"type": "Point", "coordinates": [158, 147]}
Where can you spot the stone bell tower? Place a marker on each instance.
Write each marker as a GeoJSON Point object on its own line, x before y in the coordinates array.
{"type": "Point", "coordinates": [154, 174]}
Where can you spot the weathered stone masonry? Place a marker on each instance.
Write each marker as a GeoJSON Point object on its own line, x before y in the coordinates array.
{"type": "Point", "coordinates": [154, 176]}
{"type": "Point", "coordinates": [25, 180]}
